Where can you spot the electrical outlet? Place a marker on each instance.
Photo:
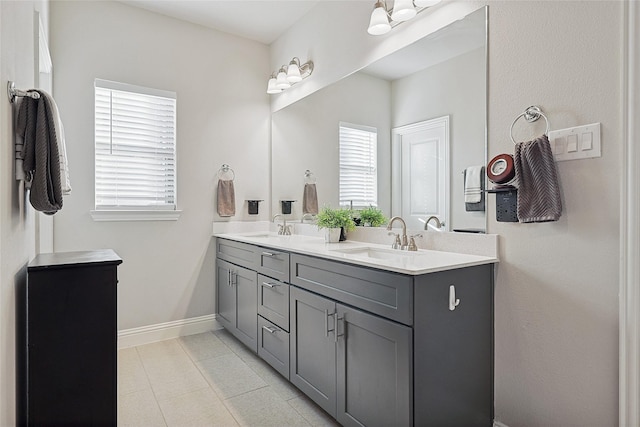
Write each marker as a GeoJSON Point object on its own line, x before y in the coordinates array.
{"type": "Point", "coordinates": [580, 142]}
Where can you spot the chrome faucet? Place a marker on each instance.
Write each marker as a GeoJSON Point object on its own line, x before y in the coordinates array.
{"type": "Point", "coordinates": [283, 229]}
{"type": "Point", "coordinates": [404, 243]}
{"type": "Point", "coordinates": [307, 215]}
{"type": "Point", "coordinates": [439, 224]}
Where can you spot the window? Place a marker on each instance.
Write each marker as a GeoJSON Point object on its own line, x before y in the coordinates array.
{"type": "Point", "coordinates": [358, 165]}
{"type": "Point", "coordinates": [135, 148]}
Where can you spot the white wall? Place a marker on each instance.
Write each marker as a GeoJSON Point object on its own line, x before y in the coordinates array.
{"type": "Point", "coordinates": [557, 288]}
{"type": "Point", "coordinates": [308, 130]}
{"type": "Point", "coordinates": [223, 117]}
{"type": "Point", "coordinates": [556, 312]}
{"type": "Point", "coordinates": [456, 88]}
{"type": "Point", "coordinates": [17, 225]}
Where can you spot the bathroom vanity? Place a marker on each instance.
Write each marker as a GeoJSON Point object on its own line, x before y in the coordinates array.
{"type": "Point", "coordinates": [373, 336]}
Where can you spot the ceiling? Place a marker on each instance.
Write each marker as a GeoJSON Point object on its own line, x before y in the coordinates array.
{"type": "Point", "coordinates": [260, 20]}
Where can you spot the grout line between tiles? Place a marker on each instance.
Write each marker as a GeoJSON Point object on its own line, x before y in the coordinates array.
{"type": "Point", "coordinates": [151, 386]}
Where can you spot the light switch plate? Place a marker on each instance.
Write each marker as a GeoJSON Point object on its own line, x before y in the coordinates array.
{"type": "Point", "coordinates": [581, 142]}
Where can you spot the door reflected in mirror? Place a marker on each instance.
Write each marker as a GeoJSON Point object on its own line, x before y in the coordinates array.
{"type": "Point", "coordinates": [411, 171]}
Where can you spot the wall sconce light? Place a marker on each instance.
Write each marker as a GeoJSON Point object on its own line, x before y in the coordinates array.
{"type": "Point", "coordinates": [289, 75]}
{"type": "Point", "coordinates": [402, 10]}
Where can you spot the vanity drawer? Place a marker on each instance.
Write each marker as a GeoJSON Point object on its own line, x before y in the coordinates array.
{"type": "Point", "coordinates": [387, 294]}
{"type": "Point", "coordinates": [273, 301]}
{"type": "Point", "coordinates": [239, 253]}
{"type": "Point", "coordinates": [273, 263]}
{"type": "Point", "coordinates": [273, 346]}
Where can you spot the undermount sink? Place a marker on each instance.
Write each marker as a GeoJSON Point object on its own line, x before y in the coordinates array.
{"type": "Point", "coordinates": [259, 235]}
{"type": "Point", "coordinates": [378, 253]}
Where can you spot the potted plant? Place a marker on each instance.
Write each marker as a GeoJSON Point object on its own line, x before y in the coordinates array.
{"type": "Point", "coordinates": [333, 221]}
{"type": "Point", "coordinates": [372, 217]}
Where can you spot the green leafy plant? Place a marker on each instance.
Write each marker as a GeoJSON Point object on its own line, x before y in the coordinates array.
{"type": "Point", "coordinates": [335, 218]}
{"type": "Point", "coordinates": [373, 216]}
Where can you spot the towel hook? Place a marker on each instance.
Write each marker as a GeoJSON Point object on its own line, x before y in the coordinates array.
{"type": "Point", "coordinates": [309, 177]}
{"type": "Point", "coordinates": [531, 114]}
{"type": "Point", "coordinates": [13, 93]}
{"type": "Point", "coordinates": [225, 168]}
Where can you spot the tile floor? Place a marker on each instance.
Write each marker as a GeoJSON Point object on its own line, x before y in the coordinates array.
{"type": "Point", "coordinates": [208, 379]}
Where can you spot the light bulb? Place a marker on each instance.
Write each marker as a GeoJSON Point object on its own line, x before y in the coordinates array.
{"type": "Point", "coordinates": [379, 23]}
{"type": "Point", "coordinates": [281, 81]}
{"type": "Point", "coordinates": [271, 87]}
{"type": "Point", "coordinates": [403, 10]}
{"type": "Point", "coordinates": [293, 73]}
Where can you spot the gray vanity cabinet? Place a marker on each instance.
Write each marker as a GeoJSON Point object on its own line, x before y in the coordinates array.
{"type": "Point", "coordinates": [313, 347]}
{"type": "Point", "coordinates": [374, 370]}
{"type": "Point", "coordinates": [371, 347]}
{"type": "Point", "coordinates": [355, 365]}
{"type": "Point", "coordinates": [453, 354]}
{"type": "Point", "coordinates": [238, 302]}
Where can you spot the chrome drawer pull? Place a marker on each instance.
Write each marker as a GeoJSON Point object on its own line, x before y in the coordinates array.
{"type": "Point", "coordinates": [270, 285]}
{"type": "Point", "coordinates": [269, 254]}
{"type": "Point", "coordinates": [326, 322]}
{"type": "Point", "coordinates": [269, 329]}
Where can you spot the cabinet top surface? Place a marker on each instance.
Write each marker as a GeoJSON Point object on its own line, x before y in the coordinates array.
{"type": "Point", "coordinates": [58, 259]}
{"type": "Point", "coordinates": [364, 254]}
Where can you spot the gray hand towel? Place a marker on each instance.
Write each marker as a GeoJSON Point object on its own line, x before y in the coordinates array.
{"type": "Point", "coordinates": [310, 200]}
{"type": "Point", "coordinates": [226, 198]}
{"type": "Point", "coordinates": [38, 124]}
{"type": "Point", "coordinates": [539, 189]}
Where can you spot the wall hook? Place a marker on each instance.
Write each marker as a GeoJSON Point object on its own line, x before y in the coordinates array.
{"type": "Point", "coordinates": [453, 301]}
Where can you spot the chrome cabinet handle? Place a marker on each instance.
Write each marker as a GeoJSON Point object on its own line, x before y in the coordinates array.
{"type": "Point", "coordinates": [335, 332]}
{"type": "Point", "coordinates": [326, 323]}
{"type": "Point", "coordinates": [229, 278]}
{"type": "Point", "coordinates": [270, 254]}
{"type": "Point", "coordinates": [270, 285]}
{"type": "Point", "coordinates": [269, 329]}
{"type": "Point", "coordinates": [453, 301]}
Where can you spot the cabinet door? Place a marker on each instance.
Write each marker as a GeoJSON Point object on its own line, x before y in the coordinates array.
{"type": "Point", "coordinates": [245, 283]}
{"type": "Point", "coordinates": [313, 354]}
{"type": "Point", "coordinates": [375, 377]}
{"type": "Point", "coordinates": [226, 295]}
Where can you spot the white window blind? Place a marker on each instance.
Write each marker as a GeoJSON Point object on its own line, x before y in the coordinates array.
{"type": "Point", "coordinates": [358, 165]}
{"type": "Point", "coordinates": [135, 147]}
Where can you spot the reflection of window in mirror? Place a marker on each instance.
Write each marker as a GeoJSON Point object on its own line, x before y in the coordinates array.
{"type": "Point", "coordinates": [358, 165]}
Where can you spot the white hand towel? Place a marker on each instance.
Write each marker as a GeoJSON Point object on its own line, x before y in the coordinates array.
{"type": "Point", "coordinates": [472, 185]}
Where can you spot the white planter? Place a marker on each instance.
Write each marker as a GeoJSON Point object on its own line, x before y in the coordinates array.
{"type": "Point", "coordinates": [331, 235]}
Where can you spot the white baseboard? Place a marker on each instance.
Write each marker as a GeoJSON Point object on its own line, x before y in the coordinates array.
{"type": "Point", "coordinates": [499, 424]}
{"type": "Point", "coordinates": [165, 331]}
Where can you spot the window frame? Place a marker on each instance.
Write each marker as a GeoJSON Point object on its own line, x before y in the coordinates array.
{"type": "Point", "coordinates": [373, 151]}
{"type": "Point", "coordinates": [137, 213]}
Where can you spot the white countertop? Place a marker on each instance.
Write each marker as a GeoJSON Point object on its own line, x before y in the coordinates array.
{"type": "Point", "coordinates": [413, 263]}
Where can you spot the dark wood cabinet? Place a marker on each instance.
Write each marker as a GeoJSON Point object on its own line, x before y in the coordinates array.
{"type": "Point", "coordinates": [66, 349]}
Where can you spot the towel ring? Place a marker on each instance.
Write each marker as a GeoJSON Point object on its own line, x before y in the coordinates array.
{"type": "Point", "coordinates": [226, 169]}
{"type": "Point", "coordinates": [309, 177]}
{"type": "Point", "coordinates": [531, 115]}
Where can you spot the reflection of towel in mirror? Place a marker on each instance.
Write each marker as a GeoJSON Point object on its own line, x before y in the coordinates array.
{"type": "Point", "coordinates": [45, 162]}
{"type": "Point", "coordinates": [226, 198]}
{"type": "Point", "coordinates": [538, 185]}
{"type": "Point", "coordinates": [472, 184]}
{"type": "Point", "coordinates": [478, 206]}
{"type": "Point", "coordinates": [310, 200]}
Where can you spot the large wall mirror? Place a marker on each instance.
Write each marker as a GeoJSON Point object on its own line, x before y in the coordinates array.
{"type": "Point", "coordinates": [420, 118]}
